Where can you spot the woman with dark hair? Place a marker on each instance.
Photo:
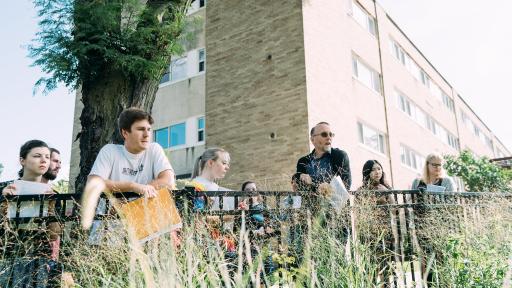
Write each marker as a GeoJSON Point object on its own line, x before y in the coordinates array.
{"type": "Point", "coordinates": [380, 236]}
{"type": "Point", "coordinates": [35, 161]}
{"type": "Point", "coordinates": [374, 177]}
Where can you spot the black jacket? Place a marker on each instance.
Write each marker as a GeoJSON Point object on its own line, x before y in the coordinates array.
{"type": "Point", "coordinates": [339, 163]}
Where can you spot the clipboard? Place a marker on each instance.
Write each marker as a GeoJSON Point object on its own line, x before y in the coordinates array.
{"type": "Point", "coordinates": [149, 218]}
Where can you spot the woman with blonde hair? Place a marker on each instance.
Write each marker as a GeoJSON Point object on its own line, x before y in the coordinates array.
{"type": "Point", "coordinates": [433, 174]}
{"type": "Point", "coordinates": [210, 167]}
{"type": "Point", "coordinates": [434, 180]}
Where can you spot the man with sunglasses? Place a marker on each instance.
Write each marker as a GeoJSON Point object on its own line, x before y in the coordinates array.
{"type": "Point", "coordinates": [323, 163]}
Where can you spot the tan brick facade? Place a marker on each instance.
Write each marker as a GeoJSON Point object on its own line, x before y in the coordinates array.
{"type": "Point", "coordinates": [256, 86]}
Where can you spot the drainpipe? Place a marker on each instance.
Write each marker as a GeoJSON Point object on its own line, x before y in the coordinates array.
{"type": "Point", "coordinates": [388, 146]}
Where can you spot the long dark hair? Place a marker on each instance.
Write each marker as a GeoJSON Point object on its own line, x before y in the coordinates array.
{"type": "Point", "coordinates": [25, 149]}
{"type": "Point", "coordinates": [246, 183]}
{"type": "Point", "coordinates": [367, 169]}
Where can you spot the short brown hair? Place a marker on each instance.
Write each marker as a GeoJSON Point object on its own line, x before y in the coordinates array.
{"type": "Point", "coordinates": [132, 115]}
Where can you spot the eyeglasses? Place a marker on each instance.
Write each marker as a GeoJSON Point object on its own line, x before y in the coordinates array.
{"type": "Point", "coordinates": [325, 134]}
{"type": "Point", "coordinates": [435, 165]}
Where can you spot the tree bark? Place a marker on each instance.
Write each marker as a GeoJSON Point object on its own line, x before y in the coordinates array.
{"type": "Point", "coordinates": [103, 101]}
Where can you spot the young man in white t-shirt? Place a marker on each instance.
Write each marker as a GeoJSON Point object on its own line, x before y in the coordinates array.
{"type": "Point", "coordinates": [137, 166]}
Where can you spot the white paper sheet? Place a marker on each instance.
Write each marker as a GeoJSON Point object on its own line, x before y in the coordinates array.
{"type": "Point", "coordinates": [435, 188]}
{"type": "Point", "coordinates": [29, 208]}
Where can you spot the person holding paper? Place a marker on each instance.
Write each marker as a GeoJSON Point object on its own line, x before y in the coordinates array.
{"type": "Point", "coordinates": [323, 163]}
{"type": "Point", "coordinates": [314, 173]}
{"type": "Point", "coordinates": [433, 178]}
{"type": "Point", "coordinates": [35, 160]}
{"type": "Point", "coordinates": [137, 166]}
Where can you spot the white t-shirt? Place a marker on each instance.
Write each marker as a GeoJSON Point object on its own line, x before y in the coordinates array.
{"type": "Point", "coordinates": [229, 202]}
{"type": "Point", "coordinates": [115, 163]}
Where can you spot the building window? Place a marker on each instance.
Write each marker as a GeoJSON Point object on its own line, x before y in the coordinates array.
{"type": "Point", "coordinates": [195, 5]}
{"type": "Point", "coordinates": [464, 117]}
{"type": "Point", "coordinates": [488, 142]}
{"type": "Point", "coordinates": [404, 104]}
{"type": "Point", "coordinates": [363, 18]}
{"type": "Point", "coordinates": [366, 75]}
{"type": "Point", "coordinates": [432, 125]}
{"type": "Point", "coordinates": [178, 135]}
{"type": "Point", "coordinates": [409, 108]}
{"type": "Point", "coordinates": [425, 79]}
{"type": "Point", "coordinates": [398, 52]}
{"type": "Point", "coordinates": [162, 137]}
{"type": "Point", "coordinates": [176, 71]}
{"type": "Point", "coordinates": [167, 76]}
{"type": "Point", "coordinates": [200, 129]}
{"type": "Point", "coordinates": [453, 141]}
{"type": "Point", "coordinates": [448, 102]}
{"type": "Point", "coordinates": [202, 62]}
{"type": "Point", "coordinates": [476, 130]}
{"type": "Point", "coordinates": [410, 158]}
{"type": "Point", "coordinates": [371, 138]}
{"type": "Point", "coordinates": [406, 61]}
{"type": "Point", "coordinates": [179, 69]}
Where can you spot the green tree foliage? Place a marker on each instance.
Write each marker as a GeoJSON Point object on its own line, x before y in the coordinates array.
{"type": "Point", "coordinates": [114, 52]}
{"type": "Point", "coordinates": [1, 168]}
{"type": "Point", "coordinates": [478, 174]}
{"type": "Point", "coordinates": [79, 39]}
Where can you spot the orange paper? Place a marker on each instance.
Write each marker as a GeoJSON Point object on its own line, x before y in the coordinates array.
{"type": "Point", "coordinates": [149, 218]}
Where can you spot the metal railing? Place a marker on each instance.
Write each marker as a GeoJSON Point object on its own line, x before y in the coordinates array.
{"type": "Point", "coordinates": [402, 214]}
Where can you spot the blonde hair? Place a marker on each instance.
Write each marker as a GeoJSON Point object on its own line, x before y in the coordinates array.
{"type": "Point", "coordinates": [208, 154]}
{"type": "Point", "coordinates": [426, 174]}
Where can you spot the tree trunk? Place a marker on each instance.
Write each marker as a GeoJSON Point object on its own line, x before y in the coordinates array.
{"type": "Point", "coordinates": [103, 101]}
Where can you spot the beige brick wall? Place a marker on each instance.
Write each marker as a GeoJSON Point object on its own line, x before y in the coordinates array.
{"type": "Point", "coordinates": [249, 96]}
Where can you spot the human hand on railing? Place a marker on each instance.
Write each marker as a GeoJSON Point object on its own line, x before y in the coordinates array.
{"type": "Point", "coordinates": [147, 191]}
{"type": "Point", "coordinates": [9, 190]}
{"type": "Point", "coordinates": [243, 205]}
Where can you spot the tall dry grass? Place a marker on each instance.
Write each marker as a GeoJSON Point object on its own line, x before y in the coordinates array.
{"type": "Point", "coordinates": [464, 246]}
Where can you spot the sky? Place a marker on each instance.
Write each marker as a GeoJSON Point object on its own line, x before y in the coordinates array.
{"type": "Point", "coordinates": [23, 115]}
{"type": "Point", "coordinates": [469, 42]}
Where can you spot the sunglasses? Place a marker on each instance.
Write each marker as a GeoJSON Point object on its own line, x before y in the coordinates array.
{"type": "Point", "coordinates": [325, 134]}
{"type": "Point", "coordinates": [435, 165]}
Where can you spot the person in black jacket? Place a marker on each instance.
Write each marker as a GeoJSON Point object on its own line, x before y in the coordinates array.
{"type": "Point", "coordinates": [323, 163]}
